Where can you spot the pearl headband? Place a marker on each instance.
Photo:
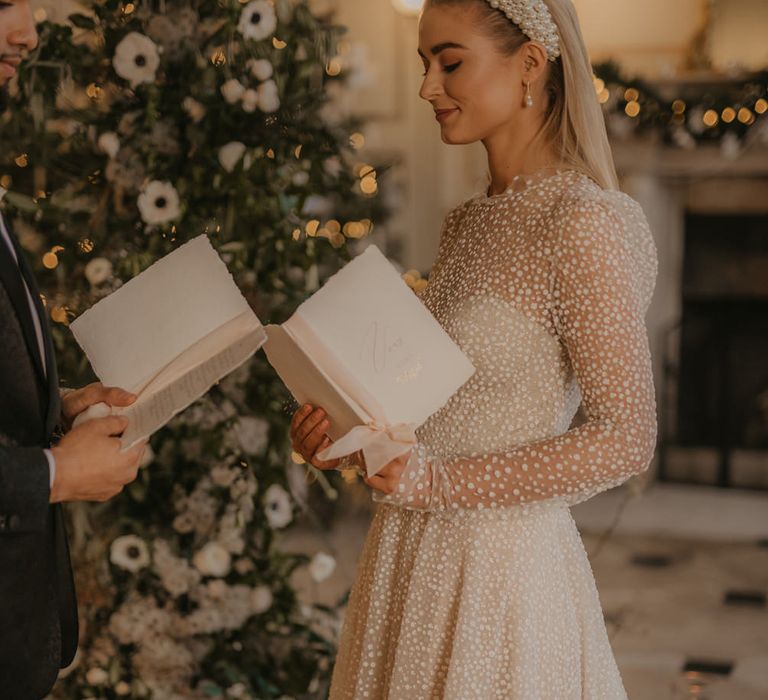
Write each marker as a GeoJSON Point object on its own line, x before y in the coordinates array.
{"type": "Point", "coordinates": [534, 20]}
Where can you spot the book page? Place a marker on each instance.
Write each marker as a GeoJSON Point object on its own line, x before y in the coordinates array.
{"type": "Point", "coordinates": [309, 384]}
{"type": "Point", "coordinates": [158, 404]}
{"type": "Point", "coordinates": [382, 336]}
{"type": "Point", "coordinates": [142, 327]}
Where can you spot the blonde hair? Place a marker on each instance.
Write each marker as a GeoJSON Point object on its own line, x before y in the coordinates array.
{"type": "Point", "coordinates": [574, 122]}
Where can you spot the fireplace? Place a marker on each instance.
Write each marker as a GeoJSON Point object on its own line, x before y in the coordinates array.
{"type": "Point", "coordinates": [721, 397]}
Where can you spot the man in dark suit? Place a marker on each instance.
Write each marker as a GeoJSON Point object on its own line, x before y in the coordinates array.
{"type": "Point", "coordinates": [38, 610]}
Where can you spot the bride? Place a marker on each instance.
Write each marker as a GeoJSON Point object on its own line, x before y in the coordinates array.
{"type": "Point", "coordinates": [473, 583]}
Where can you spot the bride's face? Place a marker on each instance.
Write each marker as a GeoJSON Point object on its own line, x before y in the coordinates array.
{"type": "Point", "coordinates": [473, 87]}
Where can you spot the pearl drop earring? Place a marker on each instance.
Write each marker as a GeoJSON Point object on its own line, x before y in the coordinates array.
{"type": "Point", "coordinates": [528, 96]}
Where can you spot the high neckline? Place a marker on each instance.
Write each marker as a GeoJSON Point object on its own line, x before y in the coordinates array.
{"type": "Point", "coordinates": [525, 182]}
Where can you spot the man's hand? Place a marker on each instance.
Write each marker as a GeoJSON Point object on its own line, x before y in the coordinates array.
{"type": "Point", "coordinates": [75, 402]}
{"type": "Point", "coordinates": [89, 463]}
{"type": "Point", "coordinates": [308, 435]}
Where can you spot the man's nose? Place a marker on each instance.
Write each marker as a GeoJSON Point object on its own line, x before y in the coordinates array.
{"type": "Point", "coordinates": [24, 34]}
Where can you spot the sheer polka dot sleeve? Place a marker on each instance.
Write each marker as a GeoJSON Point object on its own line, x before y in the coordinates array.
{"type": "Point", "coordinates": [597, 296]}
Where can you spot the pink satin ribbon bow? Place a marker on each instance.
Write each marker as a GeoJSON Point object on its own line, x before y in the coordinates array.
{"type": "Point", "coordinates": [380, 444]}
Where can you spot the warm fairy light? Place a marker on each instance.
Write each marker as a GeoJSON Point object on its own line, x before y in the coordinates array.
{"type": "Point", "coordinates": [599, 85]}
{"type": "Point", "coordinates": [50, 260]}
{"type": "Point", "coordinates": [40, 15]}
{"type": "Point", "coordinates": [710, 118]}
{"type": "Point", "coordinates": [94, 91]}
{"type": "Point", "coordinates": [333, 226]}
{"type": "Point", "coordinates": [40, 194]}
{"type": "Point", "coordinates": [22, 160]}
{"type": "Point", "coordinates": [6, 181]}
{"type": "Point", "coordinates": [357, 140]}
{"type": "Point", "coordinates": [277, 43]}
{"type": "Point", "coordinates": [334, 67]}
{"type": "Point", "coordinates": [218, 57]}
{"type": "Point", "coordinates": [631, 95]}
{"type": "Point", "coordinates": [312, 227]}
{"type": "Point", "coordinates": [761, 106]}
{"type": "Point", "coordinates": [128, 8]}
{"type": "Point", "coordinates": [271, 154]}
{"type": "Point", "coordinates": [297, 151]}
{"type": "Point", "coordinates": [296, 234]}
{"type": "Point", "coordinates": [59, 314]}
{"type": "Point", "coordinates": [746, 116]}
{"type": "Point", "coordinates": [85, 245]}
{"type": "Point", "coordinates": [369, 185]}
{"type": "Point", "coordinates": [632, 109]}
{"type": "Point", "coordinates": [678, 106]}
{"type": "Point", "coordinates": [337, 239]}
{"type": "Point", "coordinates": [604, 96]}
{"type": "Point", "coordinates": [728, 115]}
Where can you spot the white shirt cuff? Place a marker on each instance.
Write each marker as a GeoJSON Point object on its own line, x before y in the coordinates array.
{"type": "Point", "coordinates": [51, 465]}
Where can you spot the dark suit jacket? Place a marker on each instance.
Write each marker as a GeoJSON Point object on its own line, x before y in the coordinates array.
{"type": "Point", "coordinates": [38, 609]}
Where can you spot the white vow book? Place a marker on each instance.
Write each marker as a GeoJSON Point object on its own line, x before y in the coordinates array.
{"type": "Point", "coordinates": [365, 349]}
{"type": "Point", "coordinates": [168, 335]}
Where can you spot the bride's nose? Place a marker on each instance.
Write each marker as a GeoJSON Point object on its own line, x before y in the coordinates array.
{"type": "Point", "coordinates": [431, 87]}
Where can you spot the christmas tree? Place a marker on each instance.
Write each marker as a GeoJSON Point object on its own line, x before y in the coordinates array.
{"type": "Point", "coordinates": [132, 128]}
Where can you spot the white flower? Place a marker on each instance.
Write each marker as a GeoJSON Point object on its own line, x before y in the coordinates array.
{"type": "Point", "coordinates": [257, 20]}
{"type": "Point", "coordinates": [232, 90]}
{"type": "Point", "coordinates": [269, 100]}
{"type": "Point", "coordinates": [96, 676]}
{"type": "Point", "coordinates": [130, 553]}
{"type": "Point", "coordinates": [97, 271]}
{"type": "Point", "coordinates": [333, 166]}
{"type": "Point", "coordinates": [230, 155]}
{"type": "Point", "coordinates": [212, 560]}
{"type": "Point", "coordinates": [260, 68]}
{"type": "Point", "coordinates": [159, 202]}
{"type": "Point", "coordinates": [136, 59]}
{"type": "Point", "coordinates": [301, 178]}
{"type": "Point", "coordinates": [109, 143]}
{"type": "Point", "coordinates": [252, 433]}
{"type": "Point", "coordinates": [317, 206]}
{"type": "Point", "coordinates": [193, 108]}
{"type": "Point", "coordinates": [122, 688]}
{"type": "Point", "coordinates": [321, 566]}
{"type": "Point", "coordinates": [277, 504]}
{"type": "Point", "coordinates": [250, 100]}
{"type": "Point", "coordinates": [261, 599]}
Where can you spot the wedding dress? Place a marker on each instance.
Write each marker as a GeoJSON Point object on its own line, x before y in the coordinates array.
{"type": "Point", "coordinates": [473, 582]}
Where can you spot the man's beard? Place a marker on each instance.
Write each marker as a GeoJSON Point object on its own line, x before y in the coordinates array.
{"type": "Point", "coordinates": [5, 98]}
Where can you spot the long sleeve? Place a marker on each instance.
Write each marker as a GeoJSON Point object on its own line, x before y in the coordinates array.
{"type": "Point", "coordinates": [24, 489]}
{"type": "Point", "coordinates": [597, 308]}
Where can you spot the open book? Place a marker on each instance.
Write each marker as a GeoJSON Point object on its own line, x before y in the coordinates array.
{"type": "Point", "coordinates": [168, 335]}
{"type": "Point", "coordinates": [365, 349]}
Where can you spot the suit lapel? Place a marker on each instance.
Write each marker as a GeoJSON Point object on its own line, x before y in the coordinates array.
{"type": "Point", "coordinates": [13, 275]}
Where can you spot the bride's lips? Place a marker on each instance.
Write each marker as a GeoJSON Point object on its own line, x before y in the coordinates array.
{"type": "Point", "coordinates": [442, 114]}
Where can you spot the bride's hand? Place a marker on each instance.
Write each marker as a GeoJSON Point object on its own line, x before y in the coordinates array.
{"type": "Point", "coordinates": [308, 435]}
{"type": "Point", "coordinates": [387, 479]}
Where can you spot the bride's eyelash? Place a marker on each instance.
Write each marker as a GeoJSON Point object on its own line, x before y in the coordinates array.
{"type": "Point", "coordinates": [448, 69]}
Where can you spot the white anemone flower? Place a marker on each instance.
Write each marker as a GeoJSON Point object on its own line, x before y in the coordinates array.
{"type": "Point", "coordinates": [212, 560]}
{"type": "Point", "coordinates": [129, 552]}
{"type": "Point", "coordinates": [261, 599]}
{"type": "Point", "coordinates": [109, 143]}
{"type": "Point", "coordinates": [230, 155]}
{"type": "Point", "coordinates": [250, 100]}
{"type": "Point", "coordinates": [136, 59]}
{"type": "Point", "coordinates": [257, 20]}
{"type": "Point", "coordinates": [159, 202]}
{"type": "Point", "coordinates": [277, 505]}
{"type": "Point", "coordinates": [269, 100]}
{"type": "Point", "coordinates": [321, 566]}
{"type": "Point", "coordinates": [260, 68]}
{"type": "Point", "coordinates": [98, 271]}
